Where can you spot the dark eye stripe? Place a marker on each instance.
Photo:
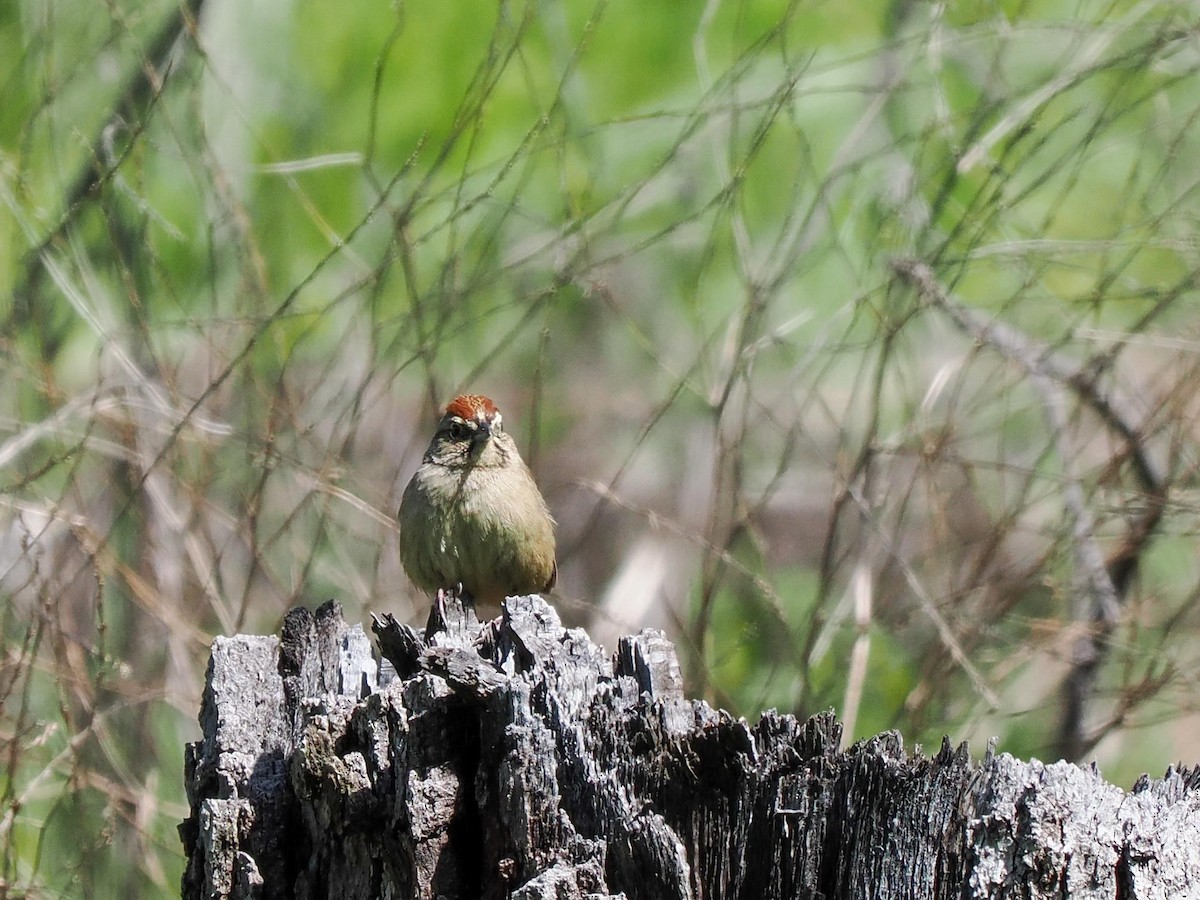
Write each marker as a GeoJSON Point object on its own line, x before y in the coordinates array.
{"type": "Point", "coordinates": [458, 431]}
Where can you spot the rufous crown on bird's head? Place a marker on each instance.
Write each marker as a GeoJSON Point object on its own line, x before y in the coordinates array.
{"type": "Point", "coordinates": [472, 406]}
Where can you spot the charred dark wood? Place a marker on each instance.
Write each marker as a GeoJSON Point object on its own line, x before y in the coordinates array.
{"type": "Point", "coordinates": [515, 759]}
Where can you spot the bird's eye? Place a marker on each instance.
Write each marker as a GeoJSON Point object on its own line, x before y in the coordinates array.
{"type": "Point", "coordinates": [458, 431]}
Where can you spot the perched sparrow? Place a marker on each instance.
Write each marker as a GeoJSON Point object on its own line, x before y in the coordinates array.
{"type": "Point", "coordinates": [472, 514]}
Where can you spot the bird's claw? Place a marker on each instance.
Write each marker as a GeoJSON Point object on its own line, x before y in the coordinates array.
{"type": "Point", "coordinates": [453, 610]}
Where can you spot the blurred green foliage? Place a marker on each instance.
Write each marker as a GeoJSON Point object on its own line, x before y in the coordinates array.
{"type": "Point", "coordinates": [246, 249]}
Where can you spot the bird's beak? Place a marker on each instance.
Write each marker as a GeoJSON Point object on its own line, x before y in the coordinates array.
{"type": "Point", "coordinates": [481, 435]}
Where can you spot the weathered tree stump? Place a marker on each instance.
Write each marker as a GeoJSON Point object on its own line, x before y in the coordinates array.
{"type": "Point", "coordinates": [515, 759]}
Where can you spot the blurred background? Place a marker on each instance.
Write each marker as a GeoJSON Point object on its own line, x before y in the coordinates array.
{"type": "Point", "coordinates": [853, 344]}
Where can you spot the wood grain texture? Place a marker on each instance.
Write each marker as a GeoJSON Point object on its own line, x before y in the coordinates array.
{"type": "Point", "coordinates": [516, 759]}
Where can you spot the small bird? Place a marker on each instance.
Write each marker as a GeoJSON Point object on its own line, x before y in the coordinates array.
{"type": "Point", "coordinates": [472, 518]}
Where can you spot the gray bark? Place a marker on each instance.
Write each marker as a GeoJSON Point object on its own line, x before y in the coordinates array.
{"type": "Point", "coordinates": [515, 759]}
